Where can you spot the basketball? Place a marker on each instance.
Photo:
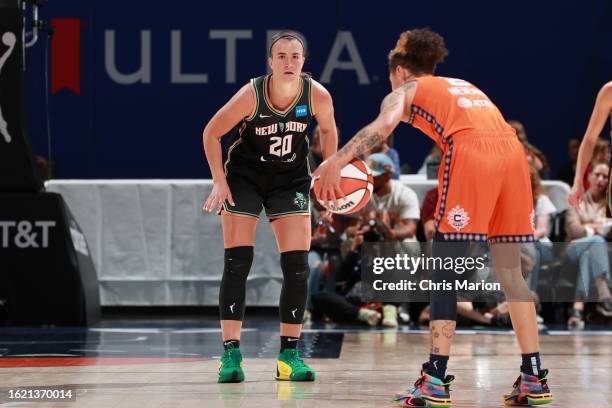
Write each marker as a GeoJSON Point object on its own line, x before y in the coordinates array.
{"type": "Point", "coordinates": [356, 181]}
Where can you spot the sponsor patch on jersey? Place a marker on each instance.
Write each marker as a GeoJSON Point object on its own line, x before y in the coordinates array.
{"type": "Point", "coordinates": [300, 111]}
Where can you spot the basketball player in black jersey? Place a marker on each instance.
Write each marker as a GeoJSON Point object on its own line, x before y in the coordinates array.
{"type": "Point", "coordinates": [267, 167]}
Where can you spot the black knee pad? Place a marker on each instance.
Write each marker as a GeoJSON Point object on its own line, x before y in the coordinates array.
{"type": "Point", "coordinates": [237, 265]}
{"type": "Point", "coordinates": [295, 286]}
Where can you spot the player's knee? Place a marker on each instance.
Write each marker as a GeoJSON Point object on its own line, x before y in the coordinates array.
{"type": "Point", "coordinates": [237, 265]}
{"type": "Point", "coordinates": [237, 262]}
{"type": "Point", "coordinates": [294, 265]}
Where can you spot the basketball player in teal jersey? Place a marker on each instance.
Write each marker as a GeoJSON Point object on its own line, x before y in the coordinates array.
{"type": "Point", "coordinates": [267, 167]}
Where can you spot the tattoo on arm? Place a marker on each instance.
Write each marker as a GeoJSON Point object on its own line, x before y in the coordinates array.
{"type": "Point", "coordinates": [362, 142]}
{"type": "Point", "coordinates": [391, 100]}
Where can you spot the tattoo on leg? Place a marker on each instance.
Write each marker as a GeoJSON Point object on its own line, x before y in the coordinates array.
{"type": "Point", "coordinates": [449, 330]}
{"type": "Point", "coordinates": [433, 334]}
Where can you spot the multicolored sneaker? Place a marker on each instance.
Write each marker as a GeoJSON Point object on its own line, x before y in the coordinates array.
{"type": "Point", "coordinates": [230, 367]}
{"type": "Point", "coordinates": [290, 367]}
{"type": "Point", "coordinates": [428, 391]}
{"type": "Point", "coordinates": [529, 390]}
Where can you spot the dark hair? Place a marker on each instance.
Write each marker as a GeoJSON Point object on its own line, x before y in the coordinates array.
{"type": "Point", "coordinates": [419, 51]}
{"type": "Point", "coordinates": [287, 35]}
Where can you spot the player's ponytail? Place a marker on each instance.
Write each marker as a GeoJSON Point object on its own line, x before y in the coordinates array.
{"type": "Point", "coordinates": [419, 51]}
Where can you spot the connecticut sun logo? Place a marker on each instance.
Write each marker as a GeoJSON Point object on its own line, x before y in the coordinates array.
{"type": "Point", "coordinates": [458, 218]}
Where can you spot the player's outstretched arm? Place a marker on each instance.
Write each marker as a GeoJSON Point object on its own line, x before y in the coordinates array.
{"type": "Point", "coordinates": [323, 109]}
{"type": "Point", "coordinates": [241, 105]}
{"type": "Point", "coordinates": [601, 113]}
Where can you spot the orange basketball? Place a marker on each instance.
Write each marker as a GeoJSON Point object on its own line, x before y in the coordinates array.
{"type": "Point", "coordinates": [356, 182]}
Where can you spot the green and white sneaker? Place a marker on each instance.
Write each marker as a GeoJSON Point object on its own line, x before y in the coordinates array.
{"type": "Point", "coordinates": [230, 367]}
{"type": "Point", "coordinates": [290, 367]}
{"type": "Point", "coordinates": [389, 316]}
{"type": "Point", "coordinates": [369, 316]}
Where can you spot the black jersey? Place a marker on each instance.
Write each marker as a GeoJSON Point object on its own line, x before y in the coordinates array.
{"type": "Point", "coordinates": [269, 139]}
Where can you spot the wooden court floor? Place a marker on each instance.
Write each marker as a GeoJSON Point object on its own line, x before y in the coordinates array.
{"type": "Point", "coordinates": [371, 367]}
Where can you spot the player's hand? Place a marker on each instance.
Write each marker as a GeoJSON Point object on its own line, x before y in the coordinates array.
{"type": "Point", "coordinates": [217, 197]}
{"type": "Point", "coordinates": [576, 194]}
{"type": "Point", "coordinates": [328, 189]}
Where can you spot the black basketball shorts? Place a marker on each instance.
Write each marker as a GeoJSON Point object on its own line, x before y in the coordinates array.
{"type": "Point", "coordinates": [280, 193]}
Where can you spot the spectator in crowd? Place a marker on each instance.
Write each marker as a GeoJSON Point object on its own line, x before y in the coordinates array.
{"type": "Point", "coordinates": [428, 216]}
{"type": "Point", "coordinates": [541, 249]}
{"type": "Point", "coordinates": [345, 305]}
{"type": "Point", "coordinates": [601, 154]}
{"type": "Point", "coordinates": [396, 205]}
{"type": "Point", "coordinates": [324, 255]}
{"type": "Point", "coordinates": [397, 212]}
{"type": "Point", "coordinates": [568, 170]}
{"type": "Point", "coordinates": [586, 227]}
{"type": "Point", "coordinates": [386, 147]}
{"type": "Point", "coordinates": [535, 157]}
